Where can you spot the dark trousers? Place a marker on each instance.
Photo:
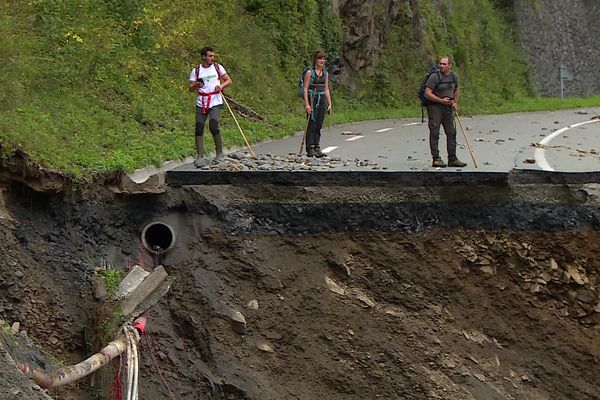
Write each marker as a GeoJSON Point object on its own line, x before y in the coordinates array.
{"type": "Point", "coordinates": [313, 132]}
{"type": "Point", "coordinates": [213, 115]}
{"type": "Point", "coordinates": [439, 114]}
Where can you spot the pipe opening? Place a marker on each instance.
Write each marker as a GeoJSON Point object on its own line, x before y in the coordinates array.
{"type": "Point", "coordinates": [158, 237]}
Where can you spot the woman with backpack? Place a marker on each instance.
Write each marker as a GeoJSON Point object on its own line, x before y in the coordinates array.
{"type": "Point", "coordinates": [317, 102]}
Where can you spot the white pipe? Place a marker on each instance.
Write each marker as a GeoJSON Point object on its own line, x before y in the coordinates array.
{"type": "Point", "coordinates": [129, 366]}
{"type": "Point", "coordinates": [135, 364]}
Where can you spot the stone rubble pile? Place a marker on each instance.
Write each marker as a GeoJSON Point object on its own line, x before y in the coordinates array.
{"type": "Point", "coordinates": [243, 161]}
{"type": "Point", "coordinates": [568, 286]}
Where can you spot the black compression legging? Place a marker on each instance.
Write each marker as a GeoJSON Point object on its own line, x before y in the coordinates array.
{"type": "Point", "coordinates": [313, 133]}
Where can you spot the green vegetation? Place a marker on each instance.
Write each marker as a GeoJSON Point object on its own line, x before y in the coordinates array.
{"type": "Point", "coordinates": [109, 327]}
{"type": "Point", "coordinates": [112, 278]}
{"type": "Point", "coordinates": [97, 86]}
{"type": "Point", "coordinates": [5, 327]}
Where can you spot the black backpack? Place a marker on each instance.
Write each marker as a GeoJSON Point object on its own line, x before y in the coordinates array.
{"type": "Point", "coordinates": [421, 93]}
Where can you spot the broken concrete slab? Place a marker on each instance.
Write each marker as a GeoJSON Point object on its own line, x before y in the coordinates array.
{"type": "Point", "coordinates": [130, 282]}
{"type": "Point", "coordinates": [147, 293]}
{"type": "Point", "coordinates": [153, 184]}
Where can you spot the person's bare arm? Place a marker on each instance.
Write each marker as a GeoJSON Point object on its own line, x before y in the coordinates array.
{"type": "Point", "coordinates": [456, 95]}
{"type": "Point", "coordinates": [225, 81]}
{"type": "Point", "coordinates": [307, 105]}
{"type": "Point", "coordinates": [328, 94]}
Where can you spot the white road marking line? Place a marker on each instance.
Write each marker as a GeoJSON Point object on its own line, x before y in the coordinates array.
{"type": "Point", "coordinates": [329, 149]}
{"type": "Point", "coordinates": [539, 154]}
{"type": "Point", "coordinates": [384, 129]}
{"type": "Point", "coordinates": [412, 123]}
{"type": "Point", "coordinates": [354, 138]}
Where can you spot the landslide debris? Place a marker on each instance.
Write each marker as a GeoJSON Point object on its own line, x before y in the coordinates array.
{"type": "Point", "coordinates": [263, 310]}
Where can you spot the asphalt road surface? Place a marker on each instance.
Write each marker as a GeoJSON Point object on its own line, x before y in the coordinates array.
{"type": "Point", "coordinates": [565, 141]}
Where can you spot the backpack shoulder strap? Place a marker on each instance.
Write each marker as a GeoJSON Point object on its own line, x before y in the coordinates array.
{"type": "Point", "coordinates": [218, 70]}
{"type": "Point", "coordinates": [313, 74]}
{"type": "Point", "coordinates": [438, 75]}
{"type": "Point", "coordinates": [452, 74]}
{"type": "Point", "coordinates": [216, 66]}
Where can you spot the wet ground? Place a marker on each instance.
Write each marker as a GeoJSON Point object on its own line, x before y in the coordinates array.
{"type": "Point", "coordinates": [480, 290]}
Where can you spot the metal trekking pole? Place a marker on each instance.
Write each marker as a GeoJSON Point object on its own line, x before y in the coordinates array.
{"type": "Point", "coordinates": [238, 125]}
{"type": "Point", "coordinates": [466, 139]}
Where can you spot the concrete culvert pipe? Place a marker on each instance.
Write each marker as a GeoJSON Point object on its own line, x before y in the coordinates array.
{"type": "Point", "coordinates": [158, 237]}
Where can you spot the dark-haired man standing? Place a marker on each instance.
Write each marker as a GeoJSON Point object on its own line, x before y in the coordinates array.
{"type": "Point", "coordinates": [442, 92]}
{"type": "Point", "coordinates": [208, 79]}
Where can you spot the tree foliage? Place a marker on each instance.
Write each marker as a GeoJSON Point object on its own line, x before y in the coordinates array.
{"type": "Point", "coordinates": [297, 27]}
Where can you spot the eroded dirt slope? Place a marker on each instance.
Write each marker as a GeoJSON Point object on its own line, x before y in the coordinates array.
{"type": "Point", "coordinates": [438, 313]}
{"type": "Point", "coordinates": [411, 317]}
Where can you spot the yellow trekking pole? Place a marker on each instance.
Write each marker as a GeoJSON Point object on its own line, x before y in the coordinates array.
{"type": "Point", "coordinates": [232, 114]}
{"type": "Point", "coordinates": [466, 139]}
{"type": "Point", "coordinates": [238, 125]}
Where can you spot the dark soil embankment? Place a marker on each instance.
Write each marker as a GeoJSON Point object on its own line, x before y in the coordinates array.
{"type": "Point", "coordinates": [348, 293]}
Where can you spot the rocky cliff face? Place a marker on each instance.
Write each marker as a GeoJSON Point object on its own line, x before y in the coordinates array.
{"type": "Point", "coordinates": [555, 32]}
{"type": "Point", "coordinates": [366, 23]}
{"type": "Point", "coordinates": [551, 32]}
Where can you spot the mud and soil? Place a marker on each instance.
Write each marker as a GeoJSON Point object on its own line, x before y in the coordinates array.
{"type": "Point", "coordinates": [347, 293]}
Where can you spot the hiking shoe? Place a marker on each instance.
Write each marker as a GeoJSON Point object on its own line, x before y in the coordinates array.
{"type": "Point", "coordinates": [201, 162]}
{"type": "Point", "coordinates": [311, 152]}
{"type": "Point", "coordinates": [318, 152]}
{"type": "Point", "coordinates": [456, 163]}
{"type": "Point", "coordinates": [438, 163]}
